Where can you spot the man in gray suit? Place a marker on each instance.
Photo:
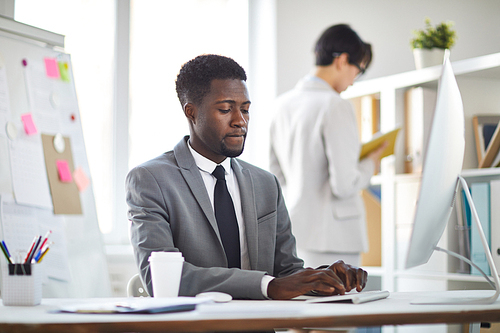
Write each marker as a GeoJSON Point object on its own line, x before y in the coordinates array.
{"type": "Point", "coordinates": [171, 201]}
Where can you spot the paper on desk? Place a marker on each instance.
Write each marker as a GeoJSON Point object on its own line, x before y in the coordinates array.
{"type": "Point", "coordinates": [29, 176]}
{"type": "Point", "coordinates": [145, 305]}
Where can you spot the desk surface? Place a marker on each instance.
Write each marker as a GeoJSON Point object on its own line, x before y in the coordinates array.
{"type": "Point", "coordinates": [250, 315]}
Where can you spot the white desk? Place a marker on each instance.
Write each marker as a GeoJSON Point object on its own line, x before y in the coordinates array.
{"type": "Point", "coordinates": [249, 315]}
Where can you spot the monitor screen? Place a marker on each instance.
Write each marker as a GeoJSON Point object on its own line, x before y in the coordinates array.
{"type": "Point", "coordinates": [441, 169]}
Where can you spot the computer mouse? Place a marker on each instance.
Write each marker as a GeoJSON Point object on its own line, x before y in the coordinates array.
{"type": "Point", "coordinates": [216, 296]}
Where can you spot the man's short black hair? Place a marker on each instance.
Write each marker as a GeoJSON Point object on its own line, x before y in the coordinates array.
{"type": "Point", "coordinates": [339, 39]}
{"type": "Point", "coordinates": [194, 79]}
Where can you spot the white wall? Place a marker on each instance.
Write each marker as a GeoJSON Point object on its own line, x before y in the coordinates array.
{"type": "Point", "coordinates": [386, 24]}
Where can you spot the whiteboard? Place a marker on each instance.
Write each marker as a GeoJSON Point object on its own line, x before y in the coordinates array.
{"type": "Point", "coordinates": [77, 265]}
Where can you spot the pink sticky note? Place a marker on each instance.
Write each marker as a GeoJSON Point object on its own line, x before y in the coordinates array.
{"type": "Point", "coordinates": [63, 170]}
{"type": "Point", "coordinates": [81, 179]}
{"type": "Point", "coordinates": [29, 125]}
{"type": "Point", "coordinates": [52, 68]}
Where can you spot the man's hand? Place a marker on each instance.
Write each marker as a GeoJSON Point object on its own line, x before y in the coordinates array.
{"type": "Point", "coordinates": [351, 276]}
{"type": "Point", "coordinates": [338, 278]}
{"type": "Point", "coordinates": [323, 281]}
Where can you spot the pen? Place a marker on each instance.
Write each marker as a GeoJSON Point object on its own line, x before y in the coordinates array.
{"type": "Point", "coordinates": [46, 238]}
{"type": "Point", "coordinates": [31, 249]}
{"type": "Point", "coordinates": [40, 248]}
{"type": "Point", "coordinates": [5, 252]}
{"type": "Point", "coordinates": [43, 254]}
{"type": "Point", "coordinates": [6, 249]}
{"type": "Point", "coordinates": [38, 240]}
{"type": "Point", "coordinates": [40, 253]}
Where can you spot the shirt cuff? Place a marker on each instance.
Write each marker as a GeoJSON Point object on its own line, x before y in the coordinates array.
{"type": "Point", "coordinates": [264, 283]}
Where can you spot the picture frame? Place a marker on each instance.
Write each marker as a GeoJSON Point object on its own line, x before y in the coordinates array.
{"type": "Point", "coordinates": [486, 137]}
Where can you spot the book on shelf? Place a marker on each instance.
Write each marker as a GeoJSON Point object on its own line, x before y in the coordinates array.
{"type": "Point", "coordinates": [462, 232]}
{"type": "Point", "coordinates": [480, 193]}
{"type": "Point", "coordinates": [495, 221]}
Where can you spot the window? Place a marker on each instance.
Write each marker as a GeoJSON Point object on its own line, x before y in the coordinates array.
{"type": "Point", "coordinates": [164, 35]}
{"type": "Point", "coordinates": [89, 27]}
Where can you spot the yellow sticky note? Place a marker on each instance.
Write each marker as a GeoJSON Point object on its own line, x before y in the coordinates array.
{"type": "Point", "coordinates": [64, 71]}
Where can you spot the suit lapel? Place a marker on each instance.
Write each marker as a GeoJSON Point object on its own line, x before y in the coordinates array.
{"type": "Point", "coordinates": [248, 207]}
{"type": "Point", "coordinates": [192, 176]}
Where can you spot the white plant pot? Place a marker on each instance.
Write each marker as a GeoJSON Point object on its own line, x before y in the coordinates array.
{"type": "Point", "coordinates": [429, 57]}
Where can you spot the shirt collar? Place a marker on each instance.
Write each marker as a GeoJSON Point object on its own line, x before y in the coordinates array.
{"type": "Point", "coordinates": [207, 165]}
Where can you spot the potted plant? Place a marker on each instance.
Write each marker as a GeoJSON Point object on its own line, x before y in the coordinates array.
{"type": "Point", "coordinates": [432, 44]}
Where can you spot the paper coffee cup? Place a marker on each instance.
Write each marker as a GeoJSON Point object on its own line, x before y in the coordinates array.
{"type": "Point", "coordinates": [166, 272]}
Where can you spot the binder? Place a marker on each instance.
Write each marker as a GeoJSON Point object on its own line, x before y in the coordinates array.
{"type": "Point", "coordinates": [462, 233]}
{"type": "Point", "coordinates": [495, 221]}
{"type": "Point", "coordinates": [481, 196]}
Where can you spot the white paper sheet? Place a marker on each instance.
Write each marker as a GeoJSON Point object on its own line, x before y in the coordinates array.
{"type": "Point", "coordinates": [42, 97]}
{"type": "Point", "coordinates": [56, 262]}
{"type": "Point", "coordinates": [4, 99]}
{"type": "Point", "coordinates": [19, 226]}
{"type": "Point", "coordinates": [29, 176]}
{"type": "Point", "coordinates": [5, 179]}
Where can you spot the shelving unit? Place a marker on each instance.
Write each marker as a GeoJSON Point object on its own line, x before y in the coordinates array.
{"type": "Point", "coordinates": [479, 82]}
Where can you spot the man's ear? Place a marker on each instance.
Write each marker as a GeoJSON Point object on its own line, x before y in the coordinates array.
{"type": "Point", "coordinates": [342, 60]}
{"type": "Point", "coordinates": [190, 111]}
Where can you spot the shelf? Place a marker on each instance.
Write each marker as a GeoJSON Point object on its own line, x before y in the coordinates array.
{"type": "Point", "coordinates": [478, 80]}
{"type": "Point", "coordinates": [486, 172]}
{"type": "Point", "coordinates": [441, 276]}
{"type": "Point", "coordinates": [469, 174]}
{"type": "Point", "coordinates": [480, 67]}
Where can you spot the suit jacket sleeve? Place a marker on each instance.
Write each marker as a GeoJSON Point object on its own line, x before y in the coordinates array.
{"type": "Point", "coordinates": [151, 230]}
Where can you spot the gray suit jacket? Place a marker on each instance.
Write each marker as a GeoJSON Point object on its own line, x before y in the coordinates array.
{"type": "Point", "coordinates": [170, 210]}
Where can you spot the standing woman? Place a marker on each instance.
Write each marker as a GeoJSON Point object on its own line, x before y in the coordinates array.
{"type": "Point", "coordinates": [315, 151]}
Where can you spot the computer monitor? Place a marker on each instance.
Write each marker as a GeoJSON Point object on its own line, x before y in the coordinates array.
{"type": "Point", "coordinates": [441, 181]}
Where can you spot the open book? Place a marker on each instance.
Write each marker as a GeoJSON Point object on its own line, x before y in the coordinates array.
{"type": "Point", "coordinates": [370, 146]}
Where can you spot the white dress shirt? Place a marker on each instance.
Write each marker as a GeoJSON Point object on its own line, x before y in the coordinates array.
{"type": "Point", "coordinates": [206, 168]}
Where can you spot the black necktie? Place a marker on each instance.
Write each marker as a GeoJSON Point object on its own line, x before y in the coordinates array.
{"type": "Point", "coordinates": [226, 219]}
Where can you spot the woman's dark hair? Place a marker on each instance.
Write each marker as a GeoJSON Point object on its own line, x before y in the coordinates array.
{"type": "Point", "coordinates": [195, 77]}
{"type": "Point", "coordinates": [339, 39]}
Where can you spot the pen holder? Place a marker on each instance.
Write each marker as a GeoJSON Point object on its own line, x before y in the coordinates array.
{"type": "Point", "coordinates": [21, 284]}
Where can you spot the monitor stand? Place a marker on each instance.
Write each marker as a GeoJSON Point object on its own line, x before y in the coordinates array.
{"type": "Point", "coordinates": [494, 273]}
